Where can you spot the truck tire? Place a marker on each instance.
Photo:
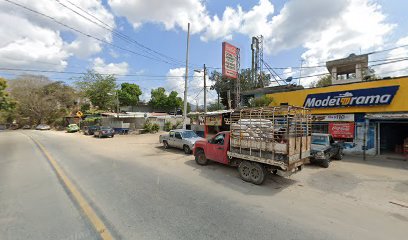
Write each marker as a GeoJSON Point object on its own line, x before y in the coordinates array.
{"type": "Point", "coordinates": [258, 173]}
{"type": "Point", "coordinates": [200, 158]}
{"type": "Point", "coordinates": [326, 161]}
{"type": "Point", "coordinates": [186, 149]}
{"type": "Point", "coordinates": [165, 145]}
{"type": "Point", "coordinates": [339, 155]}
{"type": "Point", "coordinates": [244, 169]}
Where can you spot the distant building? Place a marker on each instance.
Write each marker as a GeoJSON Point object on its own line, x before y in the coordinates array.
{"type": "Point", "coordinates": [348, 70]}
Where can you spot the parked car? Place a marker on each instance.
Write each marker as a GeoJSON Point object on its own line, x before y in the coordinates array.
{"type": "Point", "coordinates": [43, 127]}
{"type": "Point", "coordinates": [324, 148]}
{"type": "Point", "coordinates": [90, 130]}
{"type": "Point", "coordinates": [72, 128]}
{"type": "Point", "coordinates": [180, 138]}
{"type": "Point", "coordinates": [104, 132]}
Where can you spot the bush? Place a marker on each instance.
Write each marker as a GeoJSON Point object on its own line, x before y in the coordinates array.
{"type": "Point", "coordinates": [147, 127]}
{"type": "Point", "coordinates": [168, 126]}
{"type": "Point", "coordinates": [178, 125]}
{"type": "Point", "coordinates": [155, 128]}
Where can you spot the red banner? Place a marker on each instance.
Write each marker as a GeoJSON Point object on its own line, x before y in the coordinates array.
{"type": "Point", "coordinates": [341, 130]}
{"type": "Point", "coordinates": [229, 60]}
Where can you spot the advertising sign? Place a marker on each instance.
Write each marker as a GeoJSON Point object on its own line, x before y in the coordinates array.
{"type": "Point", "coordinates": [360, 97]}
{"type": "Point", "coordinates": [341, 130]}
{"type": "Point", "coordinates": [213, 120]}
{"type": "Point", "coordinates": [229, 60]}
{"type": "Point", "coordinates": [333, 118]}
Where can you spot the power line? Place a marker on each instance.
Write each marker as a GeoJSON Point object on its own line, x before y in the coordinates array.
{"type": "Point", "coordinates": [85, 34]}
{"type": "Point", "coordinates": [82, 73]}
{"type": "Point", "coordinates": [124, 37]}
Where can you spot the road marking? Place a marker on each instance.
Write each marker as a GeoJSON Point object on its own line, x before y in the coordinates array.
{"type": "Point", "coordinates": [80, 200]}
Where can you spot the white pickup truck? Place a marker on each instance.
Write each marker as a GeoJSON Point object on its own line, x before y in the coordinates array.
{"type": "Point", "coordinates": [180, 138]}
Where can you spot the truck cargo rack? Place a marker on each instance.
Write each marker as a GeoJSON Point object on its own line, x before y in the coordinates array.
{"type": "Point", "coordinates": [278, 136]}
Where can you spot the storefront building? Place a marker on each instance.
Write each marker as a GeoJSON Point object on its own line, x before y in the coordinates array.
{"type": "Point", "coordinates": [365, 113]}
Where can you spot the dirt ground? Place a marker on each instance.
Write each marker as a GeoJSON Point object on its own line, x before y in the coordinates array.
{"type": "Point", "coordinates": [378, 182]}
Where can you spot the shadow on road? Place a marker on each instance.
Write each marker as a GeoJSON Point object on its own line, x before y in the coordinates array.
{"type": "Point", "coordinates": [380, 161]}
{"type": "Point", "coordinates": [228, 176]}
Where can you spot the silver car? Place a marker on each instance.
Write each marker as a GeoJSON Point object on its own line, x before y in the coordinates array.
{"type": "Point", "coordinates": [183, 139]}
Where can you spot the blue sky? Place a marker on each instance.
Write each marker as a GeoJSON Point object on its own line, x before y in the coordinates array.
{"type": "Point", "coordinates": [314, 31]}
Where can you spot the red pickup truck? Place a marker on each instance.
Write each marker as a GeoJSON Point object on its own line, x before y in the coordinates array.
{"type": "Point", "coordinates": [263, 140]}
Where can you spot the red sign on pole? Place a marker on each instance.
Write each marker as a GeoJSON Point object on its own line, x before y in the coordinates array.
{"type": "Point", "coordinates": [229, 60]}
{"type": "Point", "coordinates": [341, 130]}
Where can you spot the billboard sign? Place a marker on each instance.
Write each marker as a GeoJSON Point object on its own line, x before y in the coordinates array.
{"type": "Point", "coordinates": [215, 120]}
{"type": "Point", "coordinates": [341, 130]}
{"type": "Point", "coordinates": [355, 98]}
{"type": "Point", "coordinates": [230, 60]}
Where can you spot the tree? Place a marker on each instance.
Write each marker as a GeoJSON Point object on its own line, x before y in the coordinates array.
{"type": "Point", "coordinates": [263, 101]}
{"type": "Point", "coordinates": [129, 94]}
{"type": "Point", "coordinates": [40, 100]}
{"type": "Point", "coordinates": [100, 89]}
{"type": "Point", "coordinates": [221, 84]}
{"type": "Point", "coordinates": [5, 102]}
{"type": "Point", "coordinates": [323, 81]}
{"type": "Point", "coordinates": [161, 101]}
{"type": "Point", "coordinates": [215, 107]}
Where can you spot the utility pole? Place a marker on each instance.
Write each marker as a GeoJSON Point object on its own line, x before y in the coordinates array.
{"type": "Point", "coordinates": [300, 71]}
{"type": "Point", "coordinates": [185, 81]}
{"type": "Point", "coordinates": [229, 99]}
{"type": "Point", "coordinates": [205, 91]}
{"type": "Point", "coordinates": [117, 103]}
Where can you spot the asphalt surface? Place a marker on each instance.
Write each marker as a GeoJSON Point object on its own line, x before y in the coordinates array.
{"type": "Point", "coordinates": [141, 191]}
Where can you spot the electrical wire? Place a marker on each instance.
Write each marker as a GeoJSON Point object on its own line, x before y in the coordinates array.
{"type": "Point", "coordinates": [85, 34]}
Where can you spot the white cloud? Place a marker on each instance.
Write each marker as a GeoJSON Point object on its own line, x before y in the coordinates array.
{"type": "Point", "coordinates": [30, 40]}
{"type": "Point", "coordinates": [100, 66]}
{"type": "Point", "coordinates": [347, 33]}
{"type": "Point", "coordinates": [397, 67]}
{"type": "Point", "coordinates": [169, 13]}
{"type": "Point", "coordinates": [175, 82]}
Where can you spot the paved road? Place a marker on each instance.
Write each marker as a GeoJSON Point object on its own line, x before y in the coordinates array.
{"type": "Point", "coordinates": [141, 191]}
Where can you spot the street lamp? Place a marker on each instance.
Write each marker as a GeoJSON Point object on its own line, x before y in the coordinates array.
{"type": "Point", "coordinates": [117, 101]}
{"type": "Point", "coordinates": [205, 88]}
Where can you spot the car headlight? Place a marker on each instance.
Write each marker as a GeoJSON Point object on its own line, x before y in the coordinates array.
{"type": "Point", "coordinates": [320, 154]}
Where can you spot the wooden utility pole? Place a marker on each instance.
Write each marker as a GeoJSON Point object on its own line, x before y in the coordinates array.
{"type": "Point", "coordinates": [205, 91]}
{"type": "Point", "coordinates": [186, 79]}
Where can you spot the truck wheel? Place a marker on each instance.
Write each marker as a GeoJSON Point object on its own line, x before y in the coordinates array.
{"type": "Point", "coordinates": [258, 174]}
{"type": "Point", "coordinates": [339, 155]}
{"type": "Point", "coordinates": [165, 145]}
{"type": "Point", "coordinates": [326, 161]}
{"type": "Point", "coordinates": [244, 170]}
{"type": "Point", "coordinates": [186, 149]}
{"type": "Point", "coordinates": [200, 158]}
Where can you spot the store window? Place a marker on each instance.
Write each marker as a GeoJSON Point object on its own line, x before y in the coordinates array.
{"type": "Point", "coordinates": [320, 128]}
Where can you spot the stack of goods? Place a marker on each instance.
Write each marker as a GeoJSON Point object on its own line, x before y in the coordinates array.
{"type": "Point", "coordinates": [257, 129]}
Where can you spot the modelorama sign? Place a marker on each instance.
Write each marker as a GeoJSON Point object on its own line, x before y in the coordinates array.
{"type": "Point", "coordinates": [360, 97]}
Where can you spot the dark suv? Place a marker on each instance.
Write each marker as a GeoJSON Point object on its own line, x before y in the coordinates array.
{"type": "Point", "coordinates": [324, 148]}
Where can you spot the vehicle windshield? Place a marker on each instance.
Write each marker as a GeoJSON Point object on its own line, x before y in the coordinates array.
{"type": "Point", "coordinates": [106, 128]}
{"type": "Point", "coordinates": [189, 134]}
{"type": "Point", "coordinates": [320, 140]}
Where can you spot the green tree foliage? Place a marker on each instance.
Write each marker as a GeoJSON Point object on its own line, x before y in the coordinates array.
{"type": "Point", "coordinates": [221, 84]}
{"type": "Point", "coordinates": [263, 101]}
{"type": "Point", "coordinates": [161, 101]}
{"type": "Point", "coordinates": [40, 100]}
{"type": "Point", "coordinates": [129, 94]}
{"type": "Point", "coordinates": [215, 107]}
{"type": "Point", "coordinates": [100, 89]}
{"type": "Point", "coordinates": [6, 104]}
{"type": "Point", "coordinates": [323, 81]}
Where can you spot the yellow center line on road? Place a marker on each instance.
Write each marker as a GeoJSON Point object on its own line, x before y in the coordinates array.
{"type": "Point", "coordinates": [80, 200]}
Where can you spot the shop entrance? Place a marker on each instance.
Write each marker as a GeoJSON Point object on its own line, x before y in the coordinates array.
{"type": "Point", "coordinates": [392, 136]}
